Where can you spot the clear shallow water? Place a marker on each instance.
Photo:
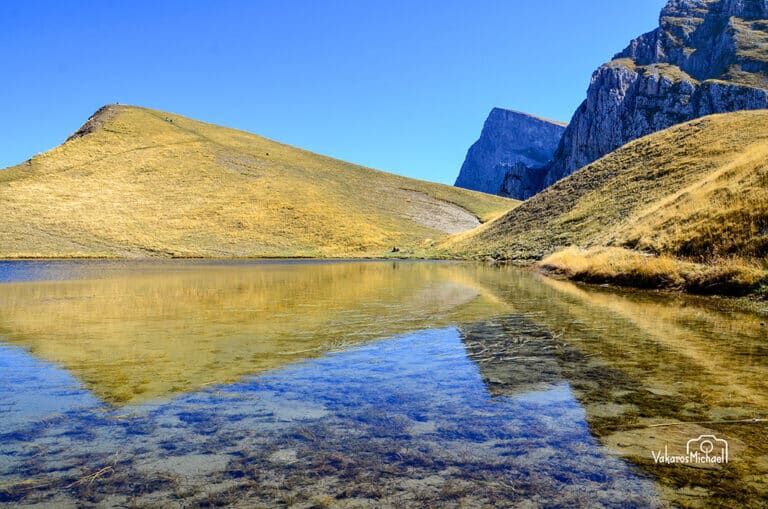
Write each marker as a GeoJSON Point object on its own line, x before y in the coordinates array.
{"type": "Point", "coordinates": [367, 384]}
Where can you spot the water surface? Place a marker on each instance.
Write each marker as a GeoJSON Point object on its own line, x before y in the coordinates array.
{"type": "Point", "coordinates": [368, 384]}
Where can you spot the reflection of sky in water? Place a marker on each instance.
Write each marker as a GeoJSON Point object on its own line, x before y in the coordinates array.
{"type": "Point", "coordinates": [31, 390]}
{"type": "Point", "coordinates": [41, 270]}
{"type": "Point", "coordinates": [27, 271]}
{"type": "Point", "coordinates": [406, 417]}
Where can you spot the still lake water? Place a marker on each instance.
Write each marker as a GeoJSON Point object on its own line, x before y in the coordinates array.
{"type": "Point", "coordinates": [369, 384]}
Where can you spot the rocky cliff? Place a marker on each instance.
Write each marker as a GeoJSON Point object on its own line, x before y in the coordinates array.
{"type": "Point", "coordinates": [510, 143]}
{"type": "Point", "coordinates": [706, 56]}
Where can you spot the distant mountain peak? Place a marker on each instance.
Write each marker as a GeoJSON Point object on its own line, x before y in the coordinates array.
{"type": "Point", "coordinates": [508, 138]}
{"type": "Point", "coordinates": [517, 113]}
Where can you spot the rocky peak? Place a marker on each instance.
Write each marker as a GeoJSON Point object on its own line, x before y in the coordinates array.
{"type": "Point", "coordinates": [96, 121]}
{"type": "Point", "coordinates": [508, 139]}
{"type": "Point", "coordinates": [706, 56]}
{"type": "Point", "coordinates": [721, 39]}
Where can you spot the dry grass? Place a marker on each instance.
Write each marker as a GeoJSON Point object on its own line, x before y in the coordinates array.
{"type": "Point", "coordinates": [629, 198]}
{"type": "Point", "coordinates": [725, 213]}
{"type": "Point", "coordinates": [624, 267]}
{"type": "Point", "coordinates": [697, 191]}
{"type": "Point", "coordinates": [144, 183]}
{"type": "Point", "coordinates": [695, 194]}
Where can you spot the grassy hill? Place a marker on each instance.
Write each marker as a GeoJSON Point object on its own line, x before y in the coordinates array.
{"type": "Point", "coordinates": [135, 182]}
{"type": "Point", "coordinates": [684, 207]}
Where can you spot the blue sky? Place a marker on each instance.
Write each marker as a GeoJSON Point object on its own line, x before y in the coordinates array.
{"type": "Point", "coordinates": [402, 86]}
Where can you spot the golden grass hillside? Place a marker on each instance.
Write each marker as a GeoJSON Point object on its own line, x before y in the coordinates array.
{"type": "Point", "coordinates": [696, 192]}
{"type": "Point", "coordinates": [135, 182]}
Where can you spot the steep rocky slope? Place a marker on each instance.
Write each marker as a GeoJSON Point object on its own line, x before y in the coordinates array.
{"type": "Point", "coordinates": [706, 56]}
{"type": "Point", "coordinates": [134, 182]}
{"type": "Point", "coordinates": [510, 143]}
{"type": "Point", "coordinates": [697, 191]}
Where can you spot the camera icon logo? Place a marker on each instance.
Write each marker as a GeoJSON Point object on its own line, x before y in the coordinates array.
{"type": "Point", "coordinates": [709, 448]}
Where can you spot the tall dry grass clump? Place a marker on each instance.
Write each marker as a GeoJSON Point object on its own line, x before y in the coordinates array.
{"type": "Point", "coordinates": [613, 265]}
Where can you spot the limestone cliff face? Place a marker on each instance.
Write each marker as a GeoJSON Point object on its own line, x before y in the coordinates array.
{"type": "Point", "coordinates": [509, 139]}
{"type": "Point", "coordinates": [625, 103]}
{"type": "Point", "coordinates": [707, 56]}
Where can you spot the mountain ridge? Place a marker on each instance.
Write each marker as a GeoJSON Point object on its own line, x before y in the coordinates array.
{"type": "Point", "coordinates": [134, 182]}
{"type": "Point", "coordinates": [705, 57]}
{"type": "Point", "coordinates": [696, 191]}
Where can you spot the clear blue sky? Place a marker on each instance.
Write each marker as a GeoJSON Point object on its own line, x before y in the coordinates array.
{"type": "Point", "coordinates": [402, 86]}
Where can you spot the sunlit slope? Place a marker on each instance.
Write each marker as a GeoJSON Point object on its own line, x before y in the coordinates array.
{"type": "Point", "coordinates": [134, 182]}
{"type": "Point", "coordinates": [697, 190]}
{"type": "Point", "coordinates": [149, 332]}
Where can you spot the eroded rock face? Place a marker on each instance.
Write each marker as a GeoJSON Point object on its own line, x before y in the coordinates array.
{"type": "Point", "coordinates": [707, 39]}
{"type": "Point", "coordinates": [624, 104]}
{"type": "Point", "coordinates": [707, 56]}
{"type": "Point", "coordinates": [509, 139]}
{"type": "Point", "coordinates": [521, 181]}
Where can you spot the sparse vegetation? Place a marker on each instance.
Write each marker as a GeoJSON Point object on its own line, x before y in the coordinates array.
{"type": "Point", "coordinates": [672, 72]}
{"type": "Point", "coordinates": [751, 46]}
{"type": "Point", "coordinates": [134, 182]}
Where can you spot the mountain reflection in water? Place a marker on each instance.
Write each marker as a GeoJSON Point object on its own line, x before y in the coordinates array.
{"type": "Point", "coordinates": [367, 384]}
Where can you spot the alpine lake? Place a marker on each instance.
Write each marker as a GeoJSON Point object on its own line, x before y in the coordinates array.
{"type": "Point", "coordinates": [372, 384]}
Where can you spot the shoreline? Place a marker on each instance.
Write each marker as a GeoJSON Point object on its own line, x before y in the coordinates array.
{"type": "Point", "coordinates": [757, 300]}
{"type": "Point", "coordinates": [758, 304]}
